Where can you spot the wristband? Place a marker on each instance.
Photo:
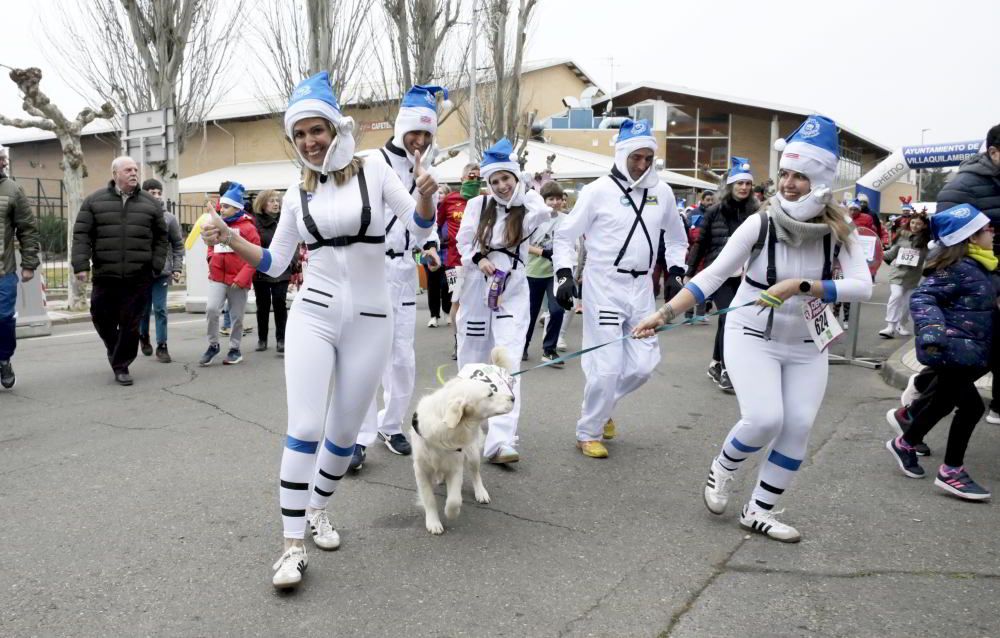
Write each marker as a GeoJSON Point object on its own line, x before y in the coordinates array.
{"type": "Point", "coordinates": [667, 313]}
{"type": "Point", "coordinates": [478, 257]}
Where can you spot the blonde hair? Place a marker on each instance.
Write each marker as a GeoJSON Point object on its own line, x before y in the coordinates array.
{"type": "Point", "coordinates": [263, 197]}
{"type": "Point", "coordinates": [836, 218]}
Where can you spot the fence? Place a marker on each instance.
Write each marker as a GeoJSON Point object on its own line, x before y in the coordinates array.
{"type": "Point", "coordinates": [48, 199]}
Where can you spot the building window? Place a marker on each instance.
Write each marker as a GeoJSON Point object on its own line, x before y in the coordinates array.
{"type": "Point", "coordinates": [848, 167]}
{"type": "Point", "coordinates": [696, 138]}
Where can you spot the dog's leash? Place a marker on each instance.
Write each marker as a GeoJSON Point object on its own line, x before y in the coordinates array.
{"type": "Point", "coordinates": [663, 328]}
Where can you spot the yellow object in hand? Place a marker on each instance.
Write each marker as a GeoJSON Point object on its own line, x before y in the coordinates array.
{"type": "Point", "coordinates": [195, 232]}
{"type": "Point", "coordinates": [770, 300]}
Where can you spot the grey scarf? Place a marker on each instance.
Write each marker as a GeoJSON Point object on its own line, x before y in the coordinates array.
{"type": "Point", "coordinates": [791, 231]}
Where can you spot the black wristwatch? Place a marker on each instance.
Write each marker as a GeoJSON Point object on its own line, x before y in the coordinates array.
{"type": "Point", "coordinates": [805, 286]}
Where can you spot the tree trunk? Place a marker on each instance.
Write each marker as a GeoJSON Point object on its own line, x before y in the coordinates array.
{"type": "Point", "coordinates": [73, 188]}
{"type": "Point", "coordinates": [320, 35]}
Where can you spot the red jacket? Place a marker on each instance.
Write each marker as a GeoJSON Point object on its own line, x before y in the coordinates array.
{"type": "Point", "coordinates": [228, 267]}
{"type": "Point", "coordinates": [449, 215]}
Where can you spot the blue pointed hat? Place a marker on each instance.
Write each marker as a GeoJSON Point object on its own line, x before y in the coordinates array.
{"type": "Point", "coordinates": [739, 170]}
{"type": "Point", "coordinates": [957, 224]}
{"type": "Point", "coordinates": [234, 196]}
{"type": "Point", "coordinates": [635, 134]}
{"type": "Point", "coordinates": [813, 150]}
{"type": "Point", "coordinates": [313, 97]}
{"type": "Point", "coordinates": [499, 157]}
{"type": "Point", "coordinates": [418, 111]}
{"type": "Point", "coordinates": [423, 96]}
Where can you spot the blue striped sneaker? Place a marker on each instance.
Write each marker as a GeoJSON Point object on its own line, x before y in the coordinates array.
{"type": "Point", "coordinates": [960, 484]}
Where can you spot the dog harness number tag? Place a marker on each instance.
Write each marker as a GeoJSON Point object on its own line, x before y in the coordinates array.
{"type": "Point", "coordinates": [908, 257]}
{"type": "Point", "coordinates": [452, 276]}
{"type": "Point", "coordinates": [496, 377]}
{"type": "Point", "coordinates": [823, 326]}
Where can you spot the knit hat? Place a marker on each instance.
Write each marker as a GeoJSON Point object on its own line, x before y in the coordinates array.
{"type": "Point", "coordinates": [314, 97]}
{"type": "Point", "coordinates": [233, 196]}
{"type": "Point", "coordinates": [500, 157]}
{"type": "Point", "coordinates": [632, 136]}
{"type": "Point", "coordinates": [739, 170]}
{"type": "Point", "coordinates": [958, 223]}
{"type": "Point", "coordinates": [812, 150]}
{"type": "Point", "coordinates": [907, 204]}
{"type": "Point", "coordinates": [418, 111]}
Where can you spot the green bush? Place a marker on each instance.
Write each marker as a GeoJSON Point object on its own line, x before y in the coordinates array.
{"type": "Point", "coordinates": [52, 234]}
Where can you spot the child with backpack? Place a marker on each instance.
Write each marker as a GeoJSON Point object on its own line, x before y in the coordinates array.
{"type": "Point", "coordinates": [953, 315]}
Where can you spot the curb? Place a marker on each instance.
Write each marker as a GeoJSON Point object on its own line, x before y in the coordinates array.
{"type": "Point", "coordinates": [894, 372]}
{"type": "Point", "coordinates": [84, 317]}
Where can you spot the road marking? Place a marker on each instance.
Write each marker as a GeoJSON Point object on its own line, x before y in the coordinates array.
{"type": "Point", "coordinates": [91, 332]}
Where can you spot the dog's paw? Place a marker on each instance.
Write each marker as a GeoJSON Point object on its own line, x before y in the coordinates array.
{"type": "Point", "coordinates": [452, 510]}
{"type": "Point", "coordinates": [482, 496]}
{"type": "Point", "coordinates": [434, 527]}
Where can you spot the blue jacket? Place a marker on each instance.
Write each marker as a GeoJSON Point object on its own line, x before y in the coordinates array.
{"type": "Point", "coordinates": [953, 315]}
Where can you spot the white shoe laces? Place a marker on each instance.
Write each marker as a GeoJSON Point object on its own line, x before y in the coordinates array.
{"type": "Point", "coordinates": [766, 516]}
{"type": "Point", "coordinates": [290, 559]}
{"type": "Point", "coordinates": [321, 521]}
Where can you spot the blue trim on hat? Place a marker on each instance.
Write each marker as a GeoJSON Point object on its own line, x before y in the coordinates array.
{"type": "Point", "coordinates": [829, 291]}
{"type": "Point", "coordinates": [265, 260]}
{"type": "Point", "coordinates": [696, 291]}
{"type": "Point", "coordinates": [818, 131]}
{"type": "Point", "coordinates": [783, 461]}
{"type": "Point", "coordinates": [336, 450]}
{"type": "Point", "coordinates": [420, 221]}
{"type": "Point", "coordinates": [742, 447]}
{"type": "Point", "coordinates": [298, 445]}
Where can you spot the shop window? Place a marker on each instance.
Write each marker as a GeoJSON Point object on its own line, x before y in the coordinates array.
{"type": "Point", "coordinates": [680, 153]}
{"type": "Point", "coordinates": [714, 152]}
{"type": "Point", "coordinates": [682, 121]}
{"type": "Point", "coordinates": [713, 124]}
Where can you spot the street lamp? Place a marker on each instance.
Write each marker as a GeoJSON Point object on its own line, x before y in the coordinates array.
{"type": "Point", "coordinates": [920, 171]}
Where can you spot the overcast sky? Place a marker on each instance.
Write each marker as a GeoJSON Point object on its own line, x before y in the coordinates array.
{"type": "Point", "coordinates": [885, 68]}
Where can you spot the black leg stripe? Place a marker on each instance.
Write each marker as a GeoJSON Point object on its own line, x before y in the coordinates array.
{"type": "Point", "coordinates": [293, 513]}
{"type": "Point", "coordinates": [770, 488]}
{"type": "Point", "coordinates": [288, 485]}
{"type": "Point", "coordinates": [763, 505]}
{"type": "Point", "coordinates": [729, 458]}
{"type": "Point", "coordinates": [330, 477]}
{"type": "Point", "coordinates": [322, 493]}
{"type": "Point", "coordinates": [320, 292]}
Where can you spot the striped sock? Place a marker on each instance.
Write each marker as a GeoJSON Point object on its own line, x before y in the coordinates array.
{"type": "Point", "coordinates": [733, 453]}
{"type": "Point", "coordinates": [776, 474]}
{"type": "Point", "coordinates": [298, 461]}
{"type": "Point", "coordinates": [330, 468]}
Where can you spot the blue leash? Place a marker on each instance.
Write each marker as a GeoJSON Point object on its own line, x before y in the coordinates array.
{"type": "Point", "coordinates": [663, 328]}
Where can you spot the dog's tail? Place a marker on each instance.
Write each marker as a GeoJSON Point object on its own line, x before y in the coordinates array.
{"type": "Point", "coordinates": [499, 357]}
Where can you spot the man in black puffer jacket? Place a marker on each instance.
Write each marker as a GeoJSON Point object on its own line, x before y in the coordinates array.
{"type": "Point", "coordinates": [121, 231]}
{"type": "Point", "coordinates": [978, 183]}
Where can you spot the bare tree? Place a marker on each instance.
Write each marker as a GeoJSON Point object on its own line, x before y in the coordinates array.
{"type": "Point", "coordinates": [297, 41]}
{"type": "Point", "coordinates": [49, 117]}
{"type": "Point", "coordinates": [499, 106]}
{"type": "Point", "coordinates": [141, 55]}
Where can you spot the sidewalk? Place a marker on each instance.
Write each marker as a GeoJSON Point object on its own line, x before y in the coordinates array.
{"type": "Point", "coordinates": [59, 314]}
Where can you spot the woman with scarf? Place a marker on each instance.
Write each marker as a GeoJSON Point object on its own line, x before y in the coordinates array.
{"type": "Point", "coordinates": [339, 335]}
{"type": "Point", "coordinates": [494, 304]}
{"type": "Point", "coordinates": [271, 291]}
{"type": "Point", "coordinates": [775, 355]}
{"type": "Point", "coordinates": [721, 220]}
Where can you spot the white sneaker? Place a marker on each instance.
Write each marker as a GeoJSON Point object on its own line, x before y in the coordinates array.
{"type": "Point", "coordinates": [889, 332]}
{"type": "Point", "coordinates": [993, 418]}
{"type": "Point", "coordinates": [910, 394]}
{"type": "Point", "coordinates": [448, 321]}
{"type": "Point", "coordinates": [290, 567]}
{"type": "Point", "coordinates": [323, 533]}
{"type": "Point", "coordinates": [902, 331]}
{"type": "Point", "coordinates": [763, 522]}
{"type": "Point", "coordinates": [433, 323]}
{"type": "Point", "coordinates": [506, 454]}
{"type": "Point", "coordinates": [717, 487]}
{"type": "Point", "coordinates": [561, 345]}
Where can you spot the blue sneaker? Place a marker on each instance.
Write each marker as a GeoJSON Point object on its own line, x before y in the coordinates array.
{"type": "Point", "coordinates": [357, 458]}
{"type": "Point", "coordinates": [906, 459]}
{"type": "Point", "coordinates": [233, 357]}
{"type": "Point", "coordinates": [960, 484]}
{"type": "Point", "coordinates": [899, 419]}
{"type": "Point", "coordinates": [396, 443]}
{"type": "Point", "coordinates": [211, 353]}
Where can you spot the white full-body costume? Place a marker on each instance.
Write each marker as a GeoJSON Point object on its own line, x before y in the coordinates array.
{"type": "Point", "coordinates": [479, 327]}
{"type": "Point", "coordinates": [620, 224]}
{"type": "Point", "coordinates": [339, 334]}
{"type": "Point", "coordinates": [401, 278]}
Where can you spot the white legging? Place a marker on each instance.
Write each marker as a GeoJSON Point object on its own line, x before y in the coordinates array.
{"type": "Point", "coordinates": [780, 387]}
{"type": "Point", "coordinates": [332, 369]}
{"type": "Point", "coordinates": [897, 310]}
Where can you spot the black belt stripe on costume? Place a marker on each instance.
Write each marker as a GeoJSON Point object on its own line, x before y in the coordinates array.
{"type": "Point", "coordinates": [315, 303]}
{"type": "Point", "coordinates": [373, 314]}
{"type": "Point", "coordinates": [639, 221]}
{"type": "Point", "coordinates": [320, 292]}
{"type": "Point", "coordinates": [409, 303]}
{"type": "Point", "coordinates": [342, 240]}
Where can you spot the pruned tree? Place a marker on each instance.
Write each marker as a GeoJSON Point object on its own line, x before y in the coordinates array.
{"type": "Point", "coordinates": [142, 55]}
{"type": "Point", "coordinates": [498, 109]}
{"type": "Point", "coordinates": [49, 117]}
{"type": "Point", "coordinates": [299, 39]}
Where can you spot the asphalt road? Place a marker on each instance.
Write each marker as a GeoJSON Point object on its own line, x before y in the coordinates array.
{"type": "Point", "coordinates": [152, 511]}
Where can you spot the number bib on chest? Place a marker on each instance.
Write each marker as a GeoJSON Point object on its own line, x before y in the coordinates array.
{"type": "Point", "coordinates": [908, 257]}
{"type": "Point", "coordinates": [823, 326]}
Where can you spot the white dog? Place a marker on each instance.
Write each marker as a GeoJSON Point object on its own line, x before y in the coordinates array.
{"type": "Point", "coordinates": [447, 431]}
